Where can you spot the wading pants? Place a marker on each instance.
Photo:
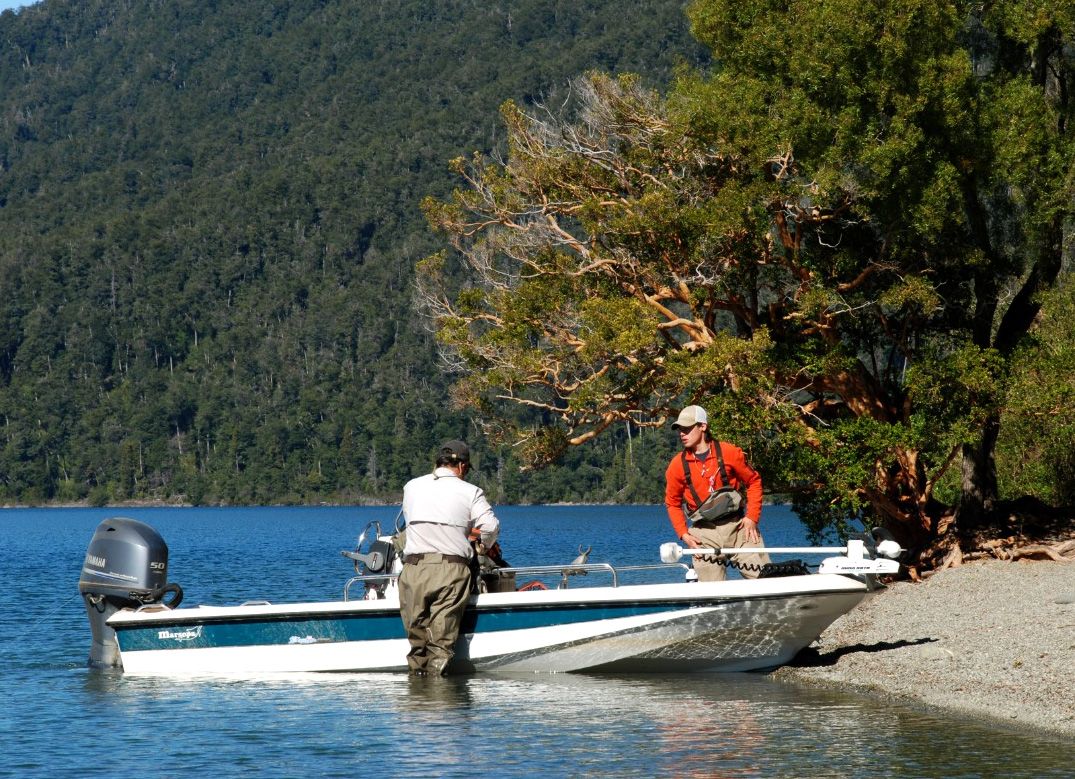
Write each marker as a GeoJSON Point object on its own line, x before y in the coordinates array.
{"type": "Point", "coordinates": [432, 596]}
{"type": "Point", "coordinates": [727, 534]}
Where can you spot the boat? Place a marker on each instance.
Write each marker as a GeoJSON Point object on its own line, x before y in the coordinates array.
{"type": "Point", "coordinates": [678, 625]}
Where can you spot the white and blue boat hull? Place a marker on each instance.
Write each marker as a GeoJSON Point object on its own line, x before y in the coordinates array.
{"type": "Point", "coordinates": [736, 625]}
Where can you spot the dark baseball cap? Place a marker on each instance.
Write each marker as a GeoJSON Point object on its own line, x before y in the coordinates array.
{"type": "Point", "coordinates": [456, 450]}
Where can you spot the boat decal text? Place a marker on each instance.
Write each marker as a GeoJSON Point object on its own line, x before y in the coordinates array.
{"type": "Point", "coordinates": [307, 640]}
{"type": "Point", "coordinates": [188, 634]}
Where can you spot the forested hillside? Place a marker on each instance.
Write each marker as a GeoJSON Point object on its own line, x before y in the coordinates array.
{"type": "Point", "coordinates": [209, 223]}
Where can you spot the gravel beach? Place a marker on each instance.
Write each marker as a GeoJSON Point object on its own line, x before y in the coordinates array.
{"type": "Point", "coordinates": [989, 639]}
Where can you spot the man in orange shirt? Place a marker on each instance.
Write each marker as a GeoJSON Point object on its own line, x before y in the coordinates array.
{"type": "Point", "coordinates": [703, 466]}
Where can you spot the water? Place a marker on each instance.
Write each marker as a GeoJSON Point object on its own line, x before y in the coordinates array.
{"type": "Point", "coordinates": [58, 718]}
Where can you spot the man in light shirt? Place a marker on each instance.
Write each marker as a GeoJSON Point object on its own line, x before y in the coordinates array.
{"type": "Point", "coordinates": [443, 512]}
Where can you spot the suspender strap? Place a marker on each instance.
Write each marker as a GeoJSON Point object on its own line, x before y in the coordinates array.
{"type": "Point", "coordinates": [690, 481]}
{"type": "Point", "coordinates": [720, 469]}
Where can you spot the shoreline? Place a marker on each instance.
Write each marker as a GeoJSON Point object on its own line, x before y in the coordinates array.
{"type": "Point", "coordinates": [168, 504]}
{"type": "Point", "coordinates": [993, 640]}
{"type": "Point", "coordinates": [374, 502]}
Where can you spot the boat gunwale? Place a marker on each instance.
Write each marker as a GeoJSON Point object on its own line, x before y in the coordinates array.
{"type": "Point", "coordinates": [690, 595]}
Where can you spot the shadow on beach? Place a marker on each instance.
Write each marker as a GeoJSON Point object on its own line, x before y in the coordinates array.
{"type": "Point", "coordinates": [812, 658]}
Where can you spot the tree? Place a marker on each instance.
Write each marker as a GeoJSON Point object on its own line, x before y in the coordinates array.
{"type": "Point", "coordinates": [1036, 447]}
{"type": "Point", "coordinates": [835, 241]}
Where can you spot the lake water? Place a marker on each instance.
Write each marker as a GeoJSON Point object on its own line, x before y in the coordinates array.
{"type": "Point", "coordinates": [59, 718]}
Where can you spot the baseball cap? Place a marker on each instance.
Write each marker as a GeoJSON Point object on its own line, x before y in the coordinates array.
{"type": "Point", "coordinates": [456, 450]}
{"type": "Point", "coordinates": [691, 416]}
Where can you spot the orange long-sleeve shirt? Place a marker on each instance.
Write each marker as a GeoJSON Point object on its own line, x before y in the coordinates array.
{"type": "Point", "coordinates": [740, 474]}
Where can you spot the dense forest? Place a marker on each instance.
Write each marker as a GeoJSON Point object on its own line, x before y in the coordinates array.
{"type": "Point", "coordinates": [209, 224]}
{"type": "Point", "coordinates": [850, 239]}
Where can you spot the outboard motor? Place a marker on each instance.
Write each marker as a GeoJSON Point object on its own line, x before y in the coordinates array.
{"type": "Point", "coordinates": [126, 566]}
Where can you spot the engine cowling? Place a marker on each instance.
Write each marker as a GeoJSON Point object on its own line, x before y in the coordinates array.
{"type": "Point", "coordinates": [126, 566]}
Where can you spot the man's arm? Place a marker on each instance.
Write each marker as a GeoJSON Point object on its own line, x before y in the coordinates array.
{"type": "Point", "coordinates": [673, 497]}
{"type": "Point", "coordinates": [485, 520]}
{"type": "Point", "coordinates": [749, 478]}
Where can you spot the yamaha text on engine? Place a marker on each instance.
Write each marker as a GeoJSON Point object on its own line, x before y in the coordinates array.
{"type": "Point", "coordinates": [126, 567]}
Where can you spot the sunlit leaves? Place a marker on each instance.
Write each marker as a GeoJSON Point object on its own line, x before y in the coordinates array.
{"type": "Point", "coordinates": [1036, 451]}
{"type": "Point", "coordinates": [832, 241]}
{"type": "Point", "coordinates": [956, 387]}
{"type": "Point", "coordinates": [912, 292]}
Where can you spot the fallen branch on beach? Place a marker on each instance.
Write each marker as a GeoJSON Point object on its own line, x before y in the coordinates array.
{"type": "Point", "coordinates": [1008, 549]}
{"type": "Point", "coordinates": [1058, 548]}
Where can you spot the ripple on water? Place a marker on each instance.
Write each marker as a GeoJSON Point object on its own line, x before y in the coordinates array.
{"type": "Point", "coordinates": [59, 718]}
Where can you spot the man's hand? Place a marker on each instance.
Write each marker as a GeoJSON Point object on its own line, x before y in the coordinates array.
{"type": "Point", "coordinates": [750, 530]}
{"type": "Point", "coordinates": [690, 541]}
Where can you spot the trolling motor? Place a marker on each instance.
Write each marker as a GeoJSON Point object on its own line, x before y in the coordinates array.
{"type": "Point", "coordinates": [126, 567]}
{"type": "Point", "coordinates": [870, 554]}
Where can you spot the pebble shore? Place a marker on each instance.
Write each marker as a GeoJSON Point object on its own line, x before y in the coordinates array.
{"type": "Point", "coordinates": [991, 639]}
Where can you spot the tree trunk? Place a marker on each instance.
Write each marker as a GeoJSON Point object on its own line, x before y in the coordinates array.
{"type": "Point", "coordinates": [978, 503]}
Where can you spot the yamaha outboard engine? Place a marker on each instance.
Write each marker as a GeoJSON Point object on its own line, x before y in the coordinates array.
{"type": "Point", "coordinates": [126, 566]}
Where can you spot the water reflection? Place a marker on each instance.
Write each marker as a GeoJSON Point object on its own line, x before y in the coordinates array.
{"type": "Point", "coordinates": [59, 718]}
{"type": "Point", "coordinates": [428, 696]}
{"type": "Point", "coordinates": [735, 725]}
{"type": "Point", "coordinates": [718, 725]}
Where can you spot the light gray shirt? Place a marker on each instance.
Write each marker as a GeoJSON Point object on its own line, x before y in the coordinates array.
{"type": "Point", "coordinates": [441, 509]}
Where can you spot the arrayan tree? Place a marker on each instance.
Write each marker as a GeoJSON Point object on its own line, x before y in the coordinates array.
{"type": "Point", "coordinates": [835, 241]}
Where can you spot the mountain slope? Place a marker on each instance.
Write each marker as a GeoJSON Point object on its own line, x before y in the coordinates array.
{"type": "Point", "coordinates": [209, 220]}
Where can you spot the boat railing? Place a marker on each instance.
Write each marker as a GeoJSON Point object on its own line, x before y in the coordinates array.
{"type": "Point", "coordinates": [654, 567]}
{"type": "Point", "coordinates": [563, 571]}
{"type": "Point", "coordinates": [372, 578]}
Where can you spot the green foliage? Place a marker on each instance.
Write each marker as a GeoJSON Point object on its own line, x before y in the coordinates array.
{"type": "Point", "coordinates": [209, 218]}
{"type": "Point", "coordinates": [835, 240]}
{"type": "Point", "coordinates": [1036, 450]}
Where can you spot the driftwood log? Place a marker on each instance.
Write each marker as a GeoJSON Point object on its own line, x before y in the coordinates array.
{"type": "Point", "coordinates": [1050, 541]}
